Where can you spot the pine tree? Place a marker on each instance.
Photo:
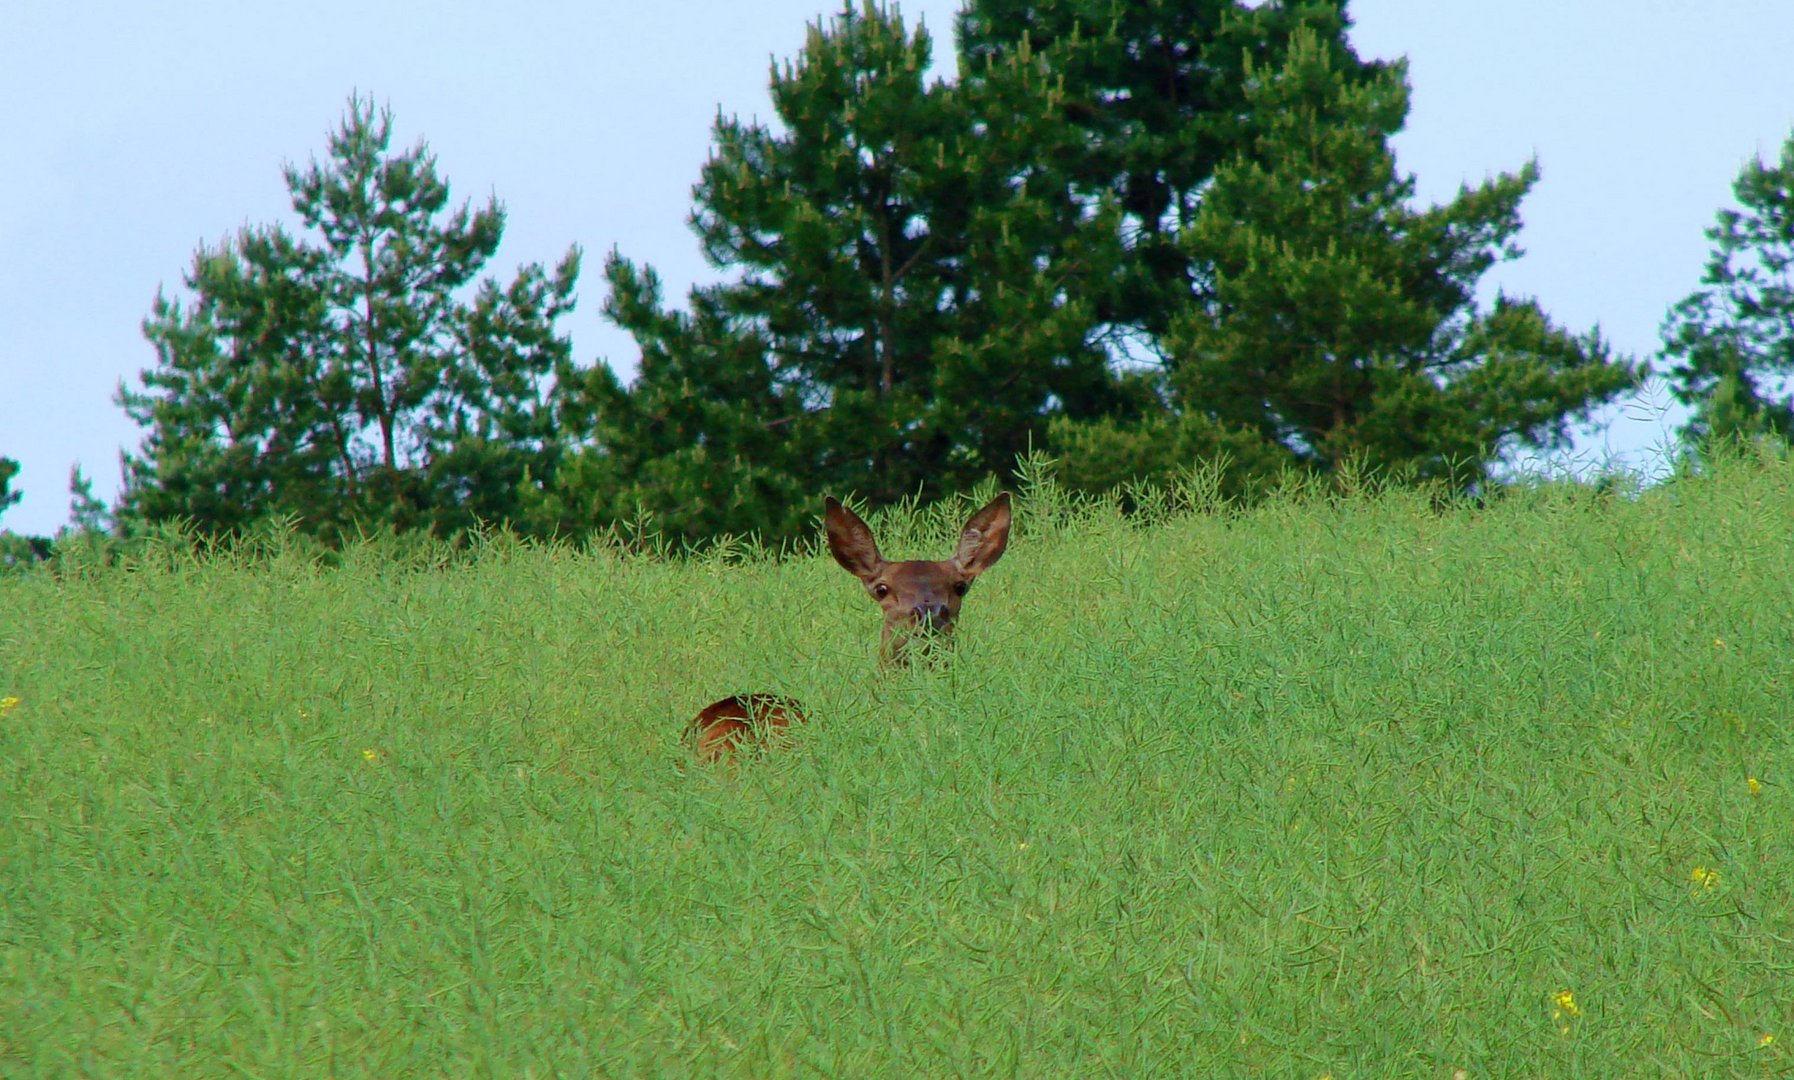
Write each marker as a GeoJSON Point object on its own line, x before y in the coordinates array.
{"type": "Point", "coordinates": [1155, 91]}
{"type": "Point", "coordinates": [700, 446]}
{"type": "Point", "coordinates": [8, 469]}
{"type": "Point", "coordinates": [344, 380]}
{"type": "Point", "coordinates": [1341, 323]}
{"type": "Point", "coordinates": [16, 551]}
{"type": "Point", "coordinates": [1731, 343]}
{"type": "Point", "coordinates": [1279, 302]}
{"type": "Point", "coordinates": [88, 514]}
{"type": "Point", "coordinates": [1102, 236]}
{"type": "Point", "coordinates": [908, 304]}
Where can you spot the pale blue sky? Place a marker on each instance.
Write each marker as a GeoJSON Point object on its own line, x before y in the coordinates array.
{"type": "Point", "coordinates": [136, 130]}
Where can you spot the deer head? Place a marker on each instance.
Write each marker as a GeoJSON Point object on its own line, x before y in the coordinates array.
{"type": "Point", "coordinates": [919, 597]}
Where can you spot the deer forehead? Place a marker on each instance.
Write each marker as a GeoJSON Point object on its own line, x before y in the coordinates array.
{"type": "Point", "coordinates": [921, 576]}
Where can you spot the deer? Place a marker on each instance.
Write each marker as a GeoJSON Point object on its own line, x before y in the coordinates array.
{"type": "Point", "coordinates": [920, 600]}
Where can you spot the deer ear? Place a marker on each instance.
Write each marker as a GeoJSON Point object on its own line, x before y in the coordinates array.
{"type": "Point", "coordinates": [984, 538]}
{"type": "Point", "coordinates": [850, 541]}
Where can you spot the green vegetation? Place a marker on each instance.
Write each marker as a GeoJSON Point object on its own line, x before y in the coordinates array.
{"type": "Point", "coordinates": [1731, 342]}
{"type": "Point", "coordinates": [8, 469]}
{"type": "Point", "coordinates": [1360, 787]}
{"type": "Point", "coordinates": [1141, 235]}
{"type": "Point", "coordinates": [344, 377]}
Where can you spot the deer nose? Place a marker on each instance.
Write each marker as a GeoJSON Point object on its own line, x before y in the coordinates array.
{"type": "Point", "coordinates": [933, 616]}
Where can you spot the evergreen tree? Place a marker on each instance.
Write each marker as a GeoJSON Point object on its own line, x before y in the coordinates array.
{"type": "Point", "coordinates": [8, 469]}
{"type": "Point", "coordinates": [699, 447]}
{"type": "Point", "coordinates": [1155, 91]}
{"type": "Point", "coordinates": [17, 551]}
{"type": "Point", "coordinates": [909, 303]}
{"type": "Point", "coordinates": [88, 514]}
{"type": "Point", "coordinates": [1141, 232]}
{"type": "Point", "coordinates": [1339, 322]}
{"type": "Point", "coordinates": [1277, 285]}
{"type": "Point", "coordinates": [1731, 343]}
{"type": "Point", "coordinates": [1155, 445]}
{"type": "Point", "coordinates": [344, 380]}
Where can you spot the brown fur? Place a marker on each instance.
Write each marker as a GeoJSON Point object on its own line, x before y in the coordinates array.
{"type": "Point", "coordinates": [919, 598]}
{"type": "Point", "coordinates": [724, 725]}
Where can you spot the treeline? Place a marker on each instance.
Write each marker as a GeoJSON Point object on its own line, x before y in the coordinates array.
{"type": "Point", "coordinates": [1135, 237]}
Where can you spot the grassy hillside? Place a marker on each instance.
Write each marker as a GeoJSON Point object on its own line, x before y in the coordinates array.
{"type": "Point", "coordinates": [1357, 788]}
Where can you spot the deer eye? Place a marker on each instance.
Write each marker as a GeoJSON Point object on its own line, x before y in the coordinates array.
{"type": "Point", "coordinates": [960, 587]}
{"type": "Point", "coordinates": [881, 590]}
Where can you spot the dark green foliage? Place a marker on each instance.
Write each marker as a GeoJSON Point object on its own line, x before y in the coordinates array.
{"type": "Point", "coordinates": [1154, 93]}
{"type": "Point", "coordinates": [1114, 452]}
{"type": "Point", "coordinates": [1139, 236]}
{"type": "Point", "coordinates": [1731, 343]}
{"type": "Point", "coordinates": [17, 551]}
{"type": "Point", "coordinates": [1275, 271]}
{"type": "Point", "coordinates": [1341, 323]}
{"type": "Point", "coordinates": [343, 380]}
{"type": "Point", "coordinates": [8, 469]}
{"type": "Point", "coordinates": [909, 302]}
{"type": "Point", "coordinates": [699, 446]}
{"type": "Point", "coordinates": [88, 514]}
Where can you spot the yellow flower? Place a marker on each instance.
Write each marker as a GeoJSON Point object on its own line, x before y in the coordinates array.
{"type": "Point", "coordinates": [1756, 786]}
{"type": "Point", "coordinates": [1768, 1037]}
{"type": "Point", "coordinates": [8, 704]}
{"type": "Point", "coordinates": [1704, 877]}
{"type": "Point", "coordinates": [1566, 1005]}
{"type": "Point", "coordinates": [370, 756]}
{"type": "Point", "coordinates": [1719, 643]}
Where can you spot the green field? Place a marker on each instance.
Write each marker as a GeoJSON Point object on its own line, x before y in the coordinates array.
{"type": "Point", "coordinates": [1356, 787]}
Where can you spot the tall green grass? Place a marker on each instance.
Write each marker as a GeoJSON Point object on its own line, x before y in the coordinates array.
{"type": "Point", "coordinates": [1357, 787]}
